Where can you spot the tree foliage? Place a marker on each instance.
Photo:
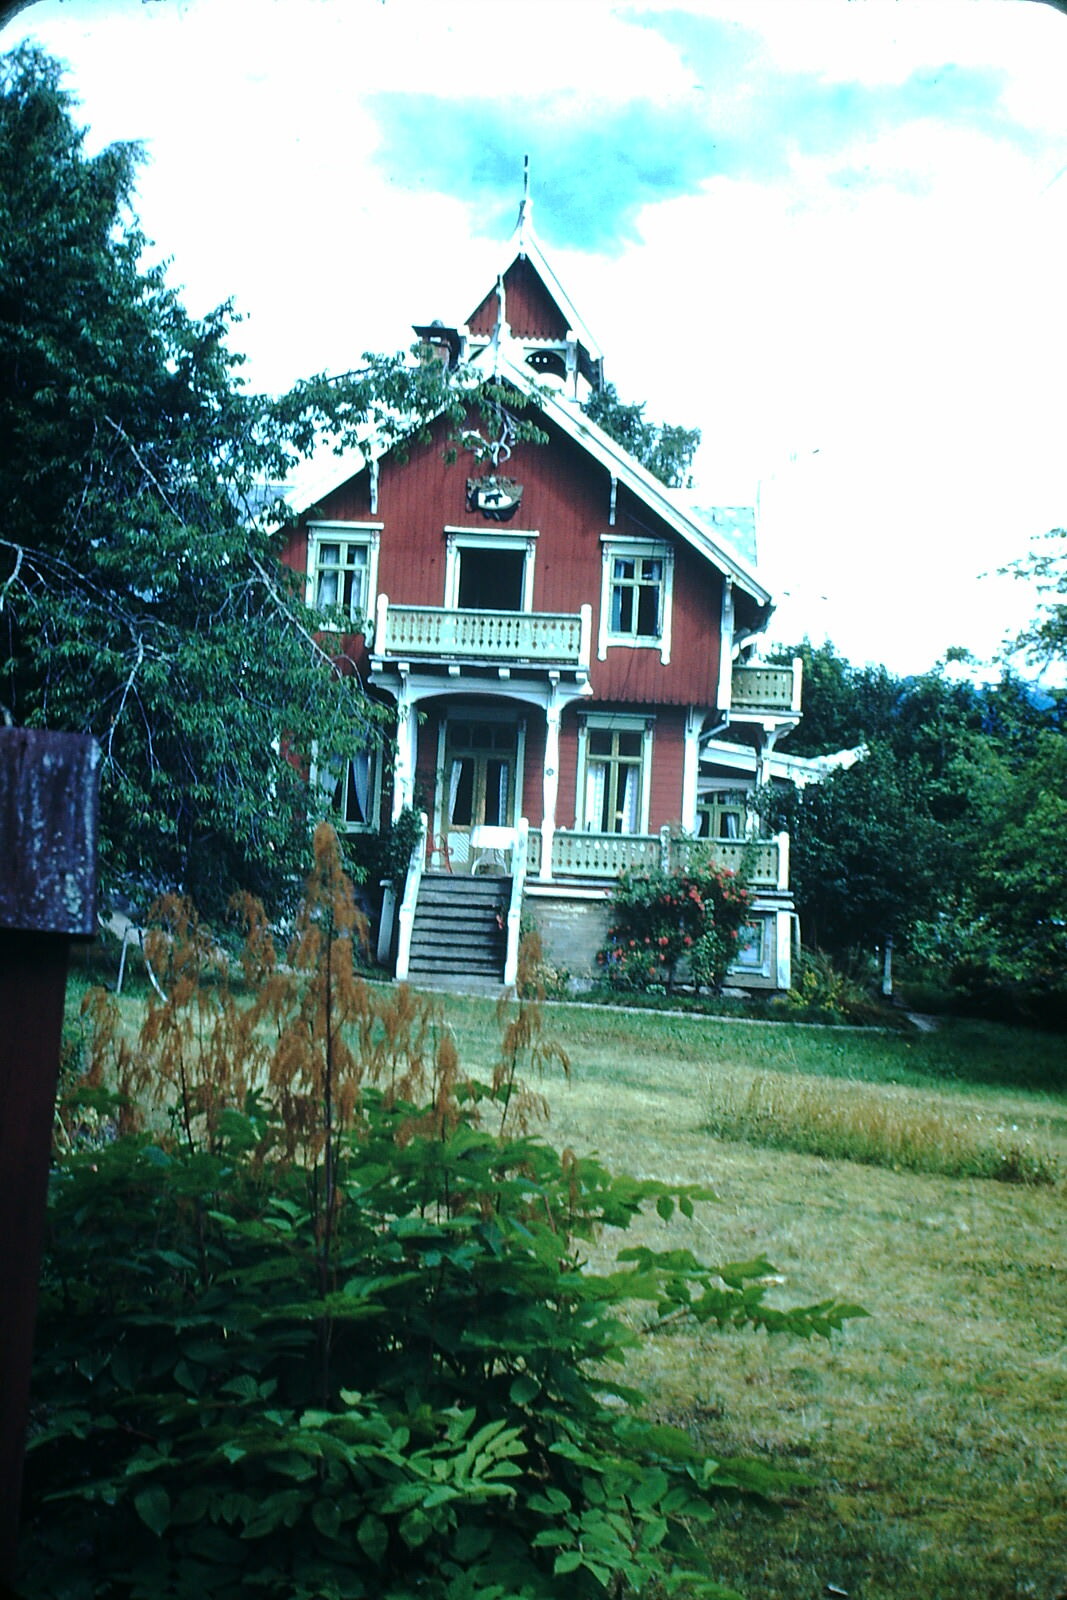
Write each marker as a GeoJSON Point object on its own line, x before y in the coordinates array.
{"type": "Point", "coordinates": [1045, 640]}
{"type": "Point", "coordinates": [332, 1335]}
{"type": "Point", "coordinates": [665, 449]}
{"type": "Point", "coordinates": [948, 834]}
{"type": "Point", "coordinates": [141, 594]}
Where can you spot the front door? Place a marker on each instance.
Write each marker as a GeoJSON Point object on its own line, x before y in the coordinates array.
{"type": "Point", "coordinates": [477, 783]}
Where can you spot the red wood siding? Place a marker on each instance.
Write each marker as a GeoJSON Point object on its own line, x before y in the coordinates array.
{"type": "Point", "coordinates": [566, 808]}
{"type": "Point", "coordinates": [668, 749]}
{"type": "Point", "coordinates": [426, 765]}
{"type": "Point", "coordinates": [530, 310]}
{"type": "Point", "coordinates": [566, 500]}
{"type": "Point", "coordinates": [533, 778]}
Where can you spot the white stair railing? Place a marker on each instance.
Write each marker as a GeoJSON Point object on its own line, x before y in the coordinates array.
{"type": "Point", "coordinates": [406, 915]}
{"type": "Point", "coordinates": [519, 852]}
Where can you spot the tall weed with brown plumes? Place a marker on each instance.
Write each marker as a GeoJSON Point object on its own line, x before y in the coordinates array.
{"type": "Point", "coordinates": [325, 1336]}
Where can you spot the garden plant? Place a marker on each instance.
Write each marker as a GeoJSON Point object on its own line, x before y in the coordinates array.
{"type": "Point", "coordinates": [664, 922]}
{"type": "Point", "coordinates": [316, 1318]}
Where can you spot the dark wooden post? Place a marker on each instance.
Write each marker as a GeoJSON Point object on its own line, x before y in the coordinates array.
{"type": "Point", "coordinates": [49, 786]}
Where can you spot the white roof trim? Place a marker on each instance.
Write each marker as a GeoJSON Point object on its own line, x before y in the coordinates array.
{"type": "Point", "coordinates": [796, 769]}
{"type": "Point", "coordinates": [326, 471]}
{"type": "Point", "coordinates": [656, 495]}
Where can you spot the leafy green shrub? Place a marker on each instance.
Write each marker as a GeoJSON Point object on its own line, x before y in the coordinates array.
{"type": "Point", "coordinates": [823, 992]}
{"type": "Point", "coordinates": [329, 1335]}
{"type": "Point", "coordinates": [664, 919]}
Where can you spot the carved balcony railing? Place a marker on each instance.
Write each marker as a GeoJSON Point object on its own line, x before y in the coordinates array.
{"type": "Point", "coordinates": [761, 859]}
{"type": "Point", "coordinates": [763, 690]}
{"type": "Point", "coordinates": [603, 855]}
{"type": "Point", "coordinates": [541, 638]}
{"type": "Point", "coordinates": [606, 855]}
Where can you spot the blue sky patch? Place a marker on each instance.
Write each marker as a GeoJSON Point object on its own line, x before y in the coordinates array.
{"type": "Point", "coordinates": [595, 165]}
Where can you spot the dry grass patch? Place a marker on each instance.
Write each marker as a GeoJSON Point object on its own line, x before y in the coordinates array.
{"type": "Point", "coordinates": [879, 1126]}
{"type": "Point", "coordinates": [932, 1432]}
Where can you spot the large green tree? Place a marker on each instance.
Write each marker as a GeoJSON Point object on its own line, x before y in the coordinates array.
{"type": "Point", "coordinates": [912, 840]}
{"type": "Point", "coordinates": [141, 594]}
{"type": "Point", "coordinates": [665, 449]}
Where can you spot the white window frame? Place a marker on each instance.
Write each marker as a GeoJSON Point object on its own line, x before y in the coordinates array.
{"type": "Point", "coordinates": [459, 539]}
{"type": "Point", "coordinates": [362, 535]}
{"type": "Point", "coordinates": [617, 722]}
{"type": "Point", "coordinates": [327, 774]}
{"type": "Point", "coordinates": [726, 796]}
{"type": "Point", "coordinates": [759, 925]}
{"type": "Point", "coordinates": [616, 547]}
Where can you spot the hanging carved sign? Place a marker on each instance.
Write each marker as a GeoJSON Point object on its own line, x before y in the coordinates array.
{"type": "Point", "coordinates": [496, 498]}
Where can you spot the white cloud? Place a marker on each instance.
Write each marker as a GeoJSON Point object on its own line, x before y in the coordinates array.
{"type": "Point", "coordinates": [891, 296]}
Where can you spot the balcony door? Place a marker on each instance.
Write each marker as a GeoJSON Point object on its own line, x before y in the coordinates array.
{"type": "Point", "coordinates": [489, 571]}
{"type": "Point", "coordinates": [491, 580]}
{"type": "Point", "coordinates": [477, 781]}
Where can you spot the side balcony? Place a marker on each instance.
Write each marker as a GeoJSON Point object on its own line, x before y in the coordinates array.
{"type": "Point", "coordinates": [604, 856]}
{"type": "Point", "coordinates": [761, 692]}
{"type": "Point", "coordinates": [437, 634]}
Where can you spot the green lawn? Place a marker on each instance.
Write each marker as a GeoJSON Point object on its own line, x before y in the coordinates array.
{"type": "Point", "coordinates": [934, 1434]}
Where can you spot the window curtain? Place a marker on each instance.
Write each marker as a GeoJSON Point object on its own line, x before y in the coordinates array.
{"type": "Point", "coordinates": [361, 786]}
{"type": "Point", "coordinates": [630, 799]}
{"type": "Point", "coordinates": [453, 788]}
{"type": "Point", "coordinates": [595, 784]}
{"type": "Point", "coordinates": [360, 567]}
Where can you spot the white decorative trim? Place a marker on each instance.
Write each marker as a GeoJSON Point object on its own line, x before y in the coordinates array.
{"type": "Point", "coordinates": [726, 645]}
{"type": "Point", "coordinates": [694, 722]}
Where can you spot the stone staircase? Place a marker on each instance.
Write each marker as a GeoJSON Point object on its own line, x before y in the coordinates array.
{"type": "Point", "coordinates": [458, 931]}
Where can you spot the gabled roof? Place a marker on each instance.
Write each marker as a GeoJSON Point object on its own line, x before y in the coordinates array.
{"type": "Point", "coordinates": [665, 502]}
{"type": "Point", "coordinates": [725, 536]}
{"type": "Point", "coordinates": [524, 245]}
{"type": "Point", "coordinates": [327, 470]}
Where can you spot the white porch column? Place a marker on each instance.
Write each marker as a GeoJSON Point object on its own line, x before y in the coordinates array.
{"type": "Point", "coordinates": [783, 974]}
{"type": "Point", "coordinates": [690, 768]}
{"type": "Point", "coordinates": [726, 646]}
{"type": "Point", "coordinates": [550, 789]}
{"type": "Point", "coordinates": [406, 744]}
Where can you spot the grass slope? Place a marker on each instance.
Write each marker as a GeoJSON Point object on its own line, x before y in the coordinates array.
{"type": "Point", "coordinates": [933, 1434]}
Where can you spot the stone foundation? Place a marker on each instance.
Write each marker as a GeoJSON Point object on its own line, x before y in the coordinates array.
{"type": "Point", "coordinates": [572, 930]}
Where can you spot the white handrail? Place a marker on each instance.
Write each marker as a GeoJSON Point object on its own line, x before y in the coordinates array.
{"type": "Point", "coordinates": [518, 881]}
{"type": "Point", "coordinates": [406, 916]}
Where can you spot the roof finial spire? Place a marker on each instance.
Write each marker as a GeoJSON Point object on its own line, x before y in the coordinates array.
{"type": "Point", "coordinates": [525, 204]}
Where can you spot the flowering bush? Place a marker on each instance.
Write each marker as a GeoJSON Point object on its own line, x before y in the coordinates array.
{"type": "Point", "coordinates": [663, 919]}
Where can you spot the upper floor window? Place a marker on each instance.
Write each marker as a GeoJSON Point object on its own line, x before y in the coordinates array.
{"type": "Point", "coordinates": [343, 569]}
{"type": "Point", "coordinates": [636, 591]}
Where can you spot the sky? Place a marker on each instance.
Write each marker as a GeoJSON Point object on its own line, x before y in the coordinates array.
{"type": "Point", "coordinates": [827, 233]}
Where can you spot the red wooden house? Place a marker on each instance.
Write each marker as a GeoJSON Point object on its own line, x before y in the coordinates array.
{"type": "Point", "coordinates": [563, 642]}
